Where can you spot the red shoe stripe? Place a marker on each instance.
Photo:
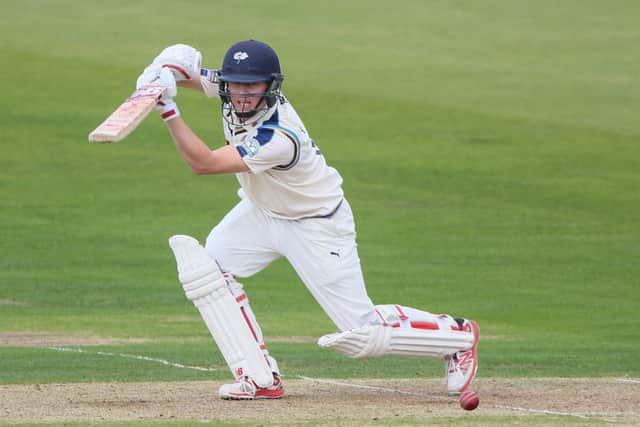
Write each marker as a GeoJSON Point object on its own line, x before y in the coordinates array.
{"type": "Point", "coordinates": [265, 393]}
{"type": "Point", "coordinates": [472, 355]}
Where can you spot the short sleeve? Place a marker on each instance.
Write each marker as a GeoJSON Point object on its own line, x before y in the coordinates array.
{"type": "Point", "coordinates": [268, 149]}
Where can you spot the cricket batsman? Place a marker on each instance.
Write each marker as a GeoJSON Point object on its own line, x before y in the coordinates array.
{"type": "Point", "coordinates": [291, 205]}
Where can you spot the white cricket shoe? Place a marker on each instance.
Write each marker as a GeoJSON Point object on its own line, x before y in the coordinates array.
{"type": "Point", "coordinates": [461, 367]}
{"type": "Point", "coordinates": [245, 389]}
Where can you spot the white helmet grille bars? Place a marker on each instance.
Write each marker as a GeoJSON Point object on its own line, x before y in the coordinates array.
{"type": "Point", "coordinates": [205, 286]}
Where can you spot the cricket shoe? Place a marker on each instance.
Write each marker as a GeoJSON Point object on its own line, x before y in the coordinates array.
{"type": "Point", "coordinates": [461, 367]}
{"type": "Point", "coordinates": [245, 389]}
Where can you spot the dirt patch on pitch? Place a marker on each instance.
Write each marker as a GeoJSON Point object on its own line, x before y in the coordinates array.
{"type": "Point", "coordinates": [52, 339]}
{"type": "Point", "coordinates": [344, 402]}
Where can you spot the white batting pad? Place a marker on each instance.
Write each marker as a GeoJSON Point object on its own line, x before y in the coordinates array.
{"type": "Point", "coordinates": [368, 341]}
{"type": "Point", "coordinates": [381, 340]}
{"type": "Point", "coordinates": [205, 286]}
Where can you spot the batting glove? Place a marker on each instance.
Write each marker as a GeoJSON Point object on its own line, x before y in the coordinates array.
{"type": "Point", "coordinates": [166, 106]}
{"type": "Point", "coordinates": [168, 111]}
{"type": "Point", "coordinates": [149, 75]}
{"type": "Point", "coordinates": [183, 61]}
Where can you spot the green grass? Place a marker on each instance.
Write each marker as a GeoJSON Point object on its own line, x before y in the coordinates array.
{"type": "Point", "coordinates": [490, 153]}
{"type": "Point", "coordinates": [56, 364]}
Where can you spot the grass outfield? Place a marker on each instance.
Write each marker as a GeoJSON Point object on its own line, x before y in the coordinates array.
{"type": "Point", "coordinates": [490, 154]}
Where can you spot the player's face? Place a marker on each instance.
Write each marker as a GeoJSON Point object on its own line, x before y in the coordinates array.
{"type": "Point", "coordinates": [246, 96]}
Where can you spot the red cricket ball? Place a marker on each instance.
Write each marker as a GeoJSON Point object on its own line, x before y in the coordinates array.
{"type": "Point", "coordinates": [469, 400]}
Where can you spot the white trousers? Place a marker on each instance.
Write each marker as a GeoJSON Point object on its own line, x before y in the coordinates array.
{"type": "Point", "coordinates": [322, 251]}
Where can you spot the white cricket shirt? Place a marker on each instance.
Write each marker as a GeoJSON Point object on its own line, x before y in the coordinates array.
{"type": "Point", "coordinates": [288, 177]}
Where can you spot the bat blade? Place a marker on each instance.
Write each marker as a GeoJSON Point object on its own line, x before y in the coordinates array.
{"type": "Point", "coordinates": [129, 115]}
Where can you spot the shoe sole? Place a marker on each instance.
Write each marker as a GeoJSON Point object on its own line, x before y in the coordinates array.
{"type": "Point", "coordinates": [250, 397]}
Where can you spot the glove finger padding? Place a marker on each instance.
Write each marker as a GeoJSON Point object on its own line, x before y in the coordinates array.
{"type": "Point", "coordinates": [149, 75]}
{"type": "Point", "coordinates": [166, 106]}
{"type": "Point", "coordinates": [183, 60]}
{"type": "Point", "coordinates": [167, 79]}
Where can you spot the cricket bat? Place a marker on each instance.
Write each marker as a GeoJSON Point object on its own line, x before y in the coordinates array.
{"type": "Point", "coordinates": [129, 115]}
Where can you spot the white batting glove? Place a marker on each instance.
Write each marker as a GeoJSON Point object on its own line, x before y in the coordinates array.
{"type": "Point", "coordinates": [168, 111]}
{"type": "Point", "coordinates": [150, 75]}
{"type": "Point", "coordinates": [166, 106]}
{"type": "Point", "coordinates": [183, 60]}
{"type": "Point", "coordinates": [156, 74]}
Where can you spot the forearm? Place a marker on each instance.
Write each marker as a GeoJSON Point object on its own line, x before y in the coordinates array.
{"type": "Point", "coordinates": [200, 158]}
{"type": "Point", "coordinates": [190, 147]}
{"type": "Point", "coordinates": [193, 83]}
{"type": "Point", "coordinates": [207, 83]}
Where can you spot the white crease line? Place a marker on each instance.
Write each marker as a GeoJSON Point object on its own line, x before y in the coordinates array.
{"type": "Point", "coordinates": [344, 384]}
{"type": "Point", "coordinates": [513, 408]}
{"type": "Point", "coordinates": [133, 356]}
{"type": "Point", "coordinates": [368, 387]}
{"type": "Point", "coordinates": [628, 380]}
{"type": "Point", "coordinates": [563, 414]}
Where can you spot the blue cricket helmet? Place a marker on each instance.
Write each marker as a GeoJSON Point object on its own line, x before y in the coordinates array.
{"type": "Point", "coordinates": [250, 61]}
